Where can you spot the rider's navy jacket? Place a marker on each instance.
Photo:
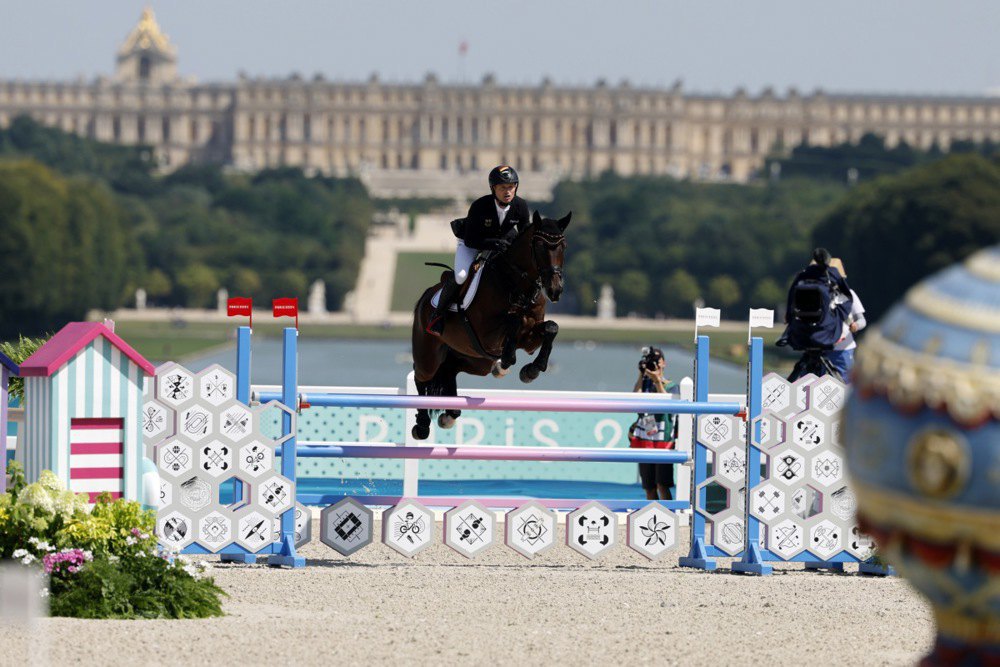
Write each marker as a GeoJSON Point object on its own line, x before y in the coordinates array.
{"type": "Point", "coordinates": [482, 223]}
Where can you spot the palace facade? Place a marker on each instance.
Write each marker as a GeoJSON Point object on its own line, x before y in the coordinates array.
{"type": "Point", "coordinates": [435, 132]}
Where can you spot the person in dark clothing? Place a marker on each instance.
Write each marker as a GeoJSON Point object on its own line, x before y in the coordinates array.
{"type": "Point", "coordinates": [493, 222]}
{"type": "Point", "coordinates": [654, 431]}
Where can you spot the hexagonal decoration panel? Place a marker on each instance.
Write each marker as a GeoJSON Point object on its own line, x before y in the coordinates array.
{"type": "Point", "coordinates": [254, 531]}
{"type": "Point", "coordinates": [652, 530]}
{"type": "Point", "coordinates": [195, 494]}
{"type": "Point", "coordinates": [591, 530]}
{"type": "Point", "coordinates": [195, 423]}
{"type": "Point", "coordinates": [827, 469]}
{"type": "Point", "coordinates": [843, 504]}
{"type": "Point", "coordinates": [174, 530]}
{"type": "Point", "coordinates": [859, 545]}
{"type": "Point", "coordinates": [235, 422]}
{"type": "Point", "coordinates": [216, 385]}
{"type": "Point", "coordinates": [776, 395]}
{"type": "Point", "coordinates": [346, 526]}
{"type": "Point", "coordinates": [215, 458]}
{"type": "Point", "coordinates": [727, 534]}
{"type": "Point", "coordinates": [807, 431]}
{"type": "Point", "coordinates": [274, 494]}
{"type": "Point", "coordinates": [717, 431]}
{"type": "Point", "coordinates": [530, 529]}
{"type": "Point", "coordinates": [768, 502]}
{"type": "Point", "coordinates": [788, 468]}
{"type": "Point", "coordinates": [255, 459]}
{"type": "Point", "coordinates": [732, 464]}
{"type": "Point", "coordinates": [157, 422]}
{"type": "Point", "coordinates": [470, 528]}
{"type": "Point", "coordinates": [174, 458]}
{"type": "Point", "coordinates": [827, 395]}
{"type": "Point", "coordinates": [303, 525]}
{"type": "Point", "coordinates": [174, 385]}
{"type": "Point", "coordinates": [203, 442]}
{"type": "Point", "coordinates": [215, 531]}
{"type": "Point", "coordinates": [785, 538]}
{"type": "Point", "coordinates": [408, 528]}
{"type": "Point", "coordinates": [826, 539]}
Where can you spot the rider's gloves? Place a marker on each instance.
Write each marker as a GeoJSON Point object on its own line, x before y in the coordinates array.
{"type": "Point", "coordinates": [497, 245]}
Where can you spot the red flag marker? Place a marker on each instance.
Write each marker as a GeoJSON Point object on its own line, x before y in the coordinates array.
{"type": "Point", "coordinates": [240, 305]}
{"type": "Point", "coordinates": [286, 307]}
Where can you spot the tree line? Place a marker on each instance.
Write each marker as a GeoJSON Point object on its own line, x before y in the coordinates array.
{"type": "Point", "coordinates": [83, 224]}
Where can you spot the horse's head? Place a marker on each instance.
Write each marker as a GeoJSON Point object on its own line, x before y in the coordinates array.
{"type": "Point", "coordinates": [548, 245]}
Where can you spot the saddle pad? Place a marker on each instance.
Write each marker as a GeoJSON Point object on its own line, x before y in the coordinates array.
{"type": "Point", "coordinates": [470, 294]}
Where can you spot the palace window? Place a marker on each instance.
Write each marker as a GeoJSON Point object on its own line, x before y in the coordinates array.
{"type": "Point", "coordinates": [165, 130]}
{"type": "Point", "coordinates": [116, 128]}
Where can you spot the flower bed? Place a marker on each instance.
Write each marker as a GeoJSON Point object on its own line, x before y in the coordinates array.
{"type": "Point", "coordinates": [102, 562]}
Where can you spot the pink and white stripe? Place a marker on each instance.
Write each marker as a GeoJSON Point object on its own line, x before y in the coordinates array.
{"type": "Point", "coordinates": [96, 460]}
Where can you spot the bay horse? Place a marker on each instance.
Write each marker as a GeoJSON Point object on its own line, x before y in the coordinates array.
{"type": "Point", "coordinates": [507, 314]}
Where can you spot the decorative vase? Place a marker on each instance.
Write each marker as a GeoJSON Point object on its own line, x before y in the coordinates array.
{"type": "Point", "coordinates": [923, 446]}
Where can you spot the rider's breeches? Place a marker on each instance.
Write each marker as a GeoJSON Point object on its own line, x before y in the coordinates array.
{"type": "Point", "coordinates": [463, 261]}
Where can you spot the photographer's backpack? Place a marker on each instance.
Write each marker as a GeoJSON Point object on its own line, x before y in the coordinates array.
{"type": "Point", "coordinates": [817, 314]}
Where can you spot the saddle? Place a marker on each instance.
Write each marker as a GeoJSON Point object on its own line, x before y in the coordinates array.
{"type": "Point", "coordinates": [468, 290]}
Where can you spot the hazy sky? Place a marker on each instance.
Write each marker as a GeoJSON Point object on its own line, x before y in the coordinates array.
{"type": "Point", "coordinates": [925, 46]}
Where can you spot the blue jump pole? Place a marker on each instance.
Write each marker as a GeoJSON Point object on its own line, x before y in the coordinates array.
{"type": "Point", "coordinates": [753, 560]}
{"type": "Point", "coordinates": [698, 555]}
{"type": "Point", "coordinates": [243, 335]}
{"type": "Point", "coordinates": [286, 555]}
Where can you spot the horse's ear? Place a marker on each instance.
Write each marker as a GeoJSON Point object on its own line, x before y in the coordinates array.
{"type": "Point", "coordinates": [536, 219]}
{"type": "Point", "coordinates": [564, 223]}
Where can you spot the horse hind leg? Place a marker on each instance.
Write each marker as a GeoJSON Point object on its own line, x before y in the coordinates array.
{"type": "Point", "coordinates": [531, 371]}
{"type": "Point", "coordinates": [449, 387]}
{"type": "Point", "coordinates": [422, 429]}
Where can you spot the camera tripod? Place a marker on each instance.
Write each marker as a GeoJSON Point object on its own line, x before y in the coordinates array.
{"type": "Point", "coordinates": [813, 361]}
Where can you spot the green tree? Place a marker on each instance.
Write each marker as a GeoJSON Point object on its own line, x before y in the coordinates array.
{"type": "Point", "coordinates": [157, 284]}
{"type": "Point", "coordinates": [768, 294]}
{"type": "Point", "coordinates": [678, 292]}
{"type": "Point", "coordinates": [895, 231]}
{"type": "Point", "coordinates": [245, 282]}
{"type": "Point", "coordinates": [723, 291]}
{"type": "Point", "coordinates": [632, 291]}
{"type": "Point", "coordinates": [198, 284]}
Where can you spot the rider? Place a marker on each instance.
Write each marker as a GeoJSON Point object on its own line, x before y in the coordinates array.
{"type": "Point", "coordinates": [493, 222]}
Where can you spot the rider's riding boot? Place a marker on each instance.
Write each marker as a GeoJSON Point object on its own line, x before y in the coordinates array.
{"type": "Point", "coordinates": [448, 293]}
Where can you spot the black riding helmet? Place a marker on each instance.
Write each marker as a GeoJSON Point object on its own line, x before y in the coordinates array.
{"type": "Point", "coordinates": [503, 175]}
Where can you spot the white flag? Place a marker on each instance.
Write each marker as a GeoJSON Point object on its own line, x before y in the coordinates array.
{"type": "Point", "coordinates": [707, 317]}
{"type": "Point", "coordinates": [761, 317]}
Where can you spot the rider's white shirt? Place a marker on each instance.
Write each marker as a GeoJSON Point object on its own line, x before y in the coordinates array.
{"type": "Point", "coordinates": [501, 210]}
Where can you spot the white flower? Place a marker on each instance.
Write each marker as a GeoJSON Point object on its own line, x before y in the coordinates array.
{"type": "Point", "coordinates": [112, 558]}
{"type": "Point", "coordinates": [192, 570]}
{"type": "Point", "coordinates": [130, 540]}
{"type": "Point", "coordinates": [88, 555]}
{"type": "Point", "coordinates": [20, 553]}
{"type": "Point", "coordinates": [33, 540]}
{"type": "Point", "coordinates": [28, 559]}
{"type": "Point", "coordinates": [44, 593]}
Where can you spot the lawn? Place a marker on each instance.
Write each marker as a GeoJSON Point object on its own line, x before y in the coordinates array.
{"type": "Point", "coordinates": [412, 277]}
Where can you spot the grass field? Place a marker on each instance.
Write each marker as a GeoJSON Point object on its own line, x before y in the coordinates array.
{"type": "Point", "coordinates": [412, 277]}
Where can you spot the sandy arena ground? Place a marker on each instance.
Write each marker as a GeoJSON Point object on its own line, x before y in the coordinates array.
{"type": "Point", "coordinates": [440, 608]}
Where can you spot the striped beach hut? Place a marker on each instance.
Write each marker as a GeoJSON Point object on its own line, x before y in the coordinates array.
{"type": "Point", "coordinates": [83, 411]}
{"type": "Point", "coordinates": [7, 369]}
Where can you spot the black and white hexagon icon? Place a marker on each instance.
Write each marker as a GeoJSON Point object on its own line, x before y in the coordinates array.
{"type": "Point", "coordinates": [408, 528]}
{"type": "Point", "coordinates": [470, 528]}
{"type": "Point", "coordinates": [346, 526]}
{"type": "Point", "coordinates": [652, 530]}
{"type": "Point", "coordinates": [592, 530]}
{"type": "Point", "coordinates": [530, 530]}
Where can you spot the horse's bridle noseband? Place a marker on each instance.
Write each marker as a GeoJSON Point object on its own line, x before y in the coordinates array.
{"type": "Point", "coordinates": [550, 242]}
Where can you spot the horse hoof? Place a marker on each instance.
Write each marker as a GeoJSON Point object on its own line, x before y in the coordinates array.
{"type": "Point", "coordinates": [420, 432]}
{"type": "Point", "coordinates": [445, 420]}
{"type": "Point", "coordinates": [498, 370]}
{"type": "Point", "coordinates": [529, 373]}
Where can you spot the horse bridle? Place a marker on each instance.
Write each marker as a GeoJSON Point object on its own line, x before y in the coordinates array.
{"type": "Point", "coordinates": [550, 242]}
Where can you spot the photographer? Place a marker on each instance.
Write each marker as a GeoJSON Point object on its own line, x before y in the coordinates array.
{"type": "Point", "coordinates": [654, 431]}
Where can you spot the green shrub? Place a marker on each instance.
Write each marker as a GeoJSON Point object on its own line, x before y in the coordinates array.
{"type": "Point", "coordinates": [102, 562]}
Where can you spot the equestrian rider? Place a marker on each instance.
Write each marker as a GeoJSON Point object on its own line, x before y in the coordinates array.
{"type": "Point", "coordinates": [493, 222]}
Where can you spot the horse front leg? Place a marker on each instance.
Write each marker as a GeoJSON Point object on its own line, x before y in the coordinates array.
{"type": "Point", "coordinates": [508, 357]}
{"type": "Point", "coordinates": [548, 331]}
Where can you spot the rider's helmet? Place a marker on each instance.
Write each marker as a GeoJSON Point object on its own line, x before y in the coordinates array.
{"type": "Point", "coordinates": [504, 174]}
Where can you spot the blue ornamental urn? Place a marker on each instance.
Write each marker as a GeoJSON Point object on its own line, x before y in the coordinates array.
{"type": "Point", "coordinates": [923, 446]}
